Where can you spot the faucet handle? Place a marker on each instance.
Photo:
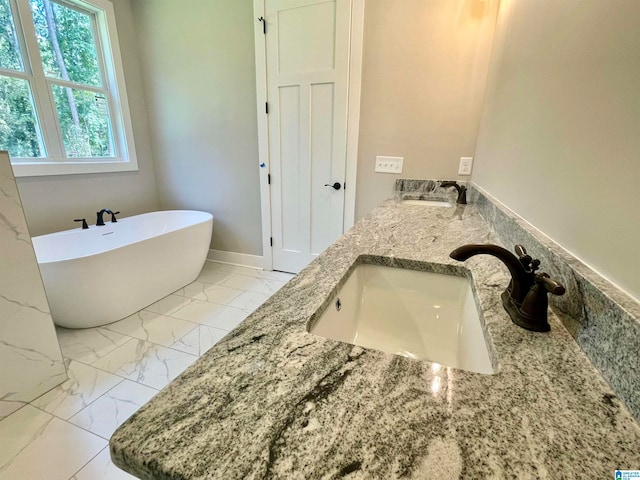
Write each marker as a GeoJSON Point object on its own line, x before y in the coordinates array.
{"type": "Point", "coordinates": [84, 222]}
{"type": "Point", "coordinates": [520, 250]}
{"type": "Point", "coordinates": [550, 285]}
{"type": "Point", "coordinates": [524, 258]}
{"type": "Point", "coordinates": [113, 217]}
{"type": "Point", "coordinates": [530, 264]}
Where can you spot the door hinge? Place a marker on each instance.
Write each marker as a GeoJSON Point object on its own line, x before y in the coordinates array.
{"type": "Point", "coordinates": [269, 178]}
{"type": "Point", "coordinates": [264, 24]}
{"type": "Point", "coordinates": [271, 241]}
{"type": "Point", "coordinates": [266, 107]}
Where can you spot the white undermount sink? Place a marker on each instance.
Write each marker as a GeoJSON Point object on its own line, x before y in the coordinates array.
{"type": "Point", "coordinates": [408, 312]}
{"type": "Point", "coordinates": [426, 203]}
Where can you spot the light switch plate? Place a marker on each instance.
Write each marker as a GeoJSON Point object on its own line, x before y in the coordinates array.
{"type": "Point", "coordinates": [389, 164]}
{"type": "Point", "coordinates": [465, 165]}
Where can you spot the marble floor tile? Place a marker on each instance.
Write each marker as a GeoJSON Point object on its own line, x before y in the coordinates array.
{"type": "Point", "coordinates": [37, 445]}
{"type": "Point", "coordinates": [200, 340]}
{"type": "Point", "coordinates": [109, 411]}
{"type": "Point", "coordinates": [249, 301]}
{"type": "Point", "coordinates": [209, 293]}
{"type": "Point", "coordinates": [115, 369]}
{"type": "Point", "coordinates": [88, 344]}
{"type": "Point", "coordinates": [85, 384]}
{"type": "Point", "coordinates": [226, 318]}
{"type": "Point", "coordinates": [8, 407]}
{"type": "Point", "coordinates": [282, 276]}
{"type": "Point", "coordinates": [146, 363]}
{"type": "Point", "coordinates": [153, 327]}
{"type": "Point", "coordinates": [264, 285]}
{"type": "Point", "coordinates": [169, 304]}
{"type": "Point", "coordinates": [212, 265]}
{"type": "Point", "coordinates": [101, 468]}
{"type": "Point", "coordinates": [272, 275]}
{"type": "Point", "coordinates": [199, 311]}
{"type": "Point", "coordinates": [213, 275]}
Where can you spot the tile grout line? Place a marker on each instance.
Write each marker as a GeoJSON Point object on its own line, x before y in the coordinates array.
{"type": "Point", "coordinates": [89, 461]}
{"type": "Point", "coordinates": [98, 328]}
{"type": "Point", "coordinates": [196, 325]}
{"type": "Point", "coordinates": [72, 424]}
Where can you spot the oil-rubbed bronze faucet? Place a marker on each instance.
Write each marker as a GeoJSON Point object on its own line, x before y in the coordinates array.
{"type": "Point", "coordinates": [525, 298]}
{"type": "Point", "coordinates": [84, 223]}
{"type": "Point", "coordinates": [100, 217]}
{"type": "Point", "coordinates": [462, 191]}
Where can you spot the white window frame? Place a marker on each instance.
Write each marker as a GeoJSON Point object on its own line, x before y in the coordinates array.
{"type": "Point", "coordinates": [56, 162]}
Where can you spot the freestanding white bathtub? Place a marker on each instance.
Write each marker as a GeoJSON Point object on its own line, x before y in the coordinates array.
{"type": "Point", "coordinates": [103, 274]}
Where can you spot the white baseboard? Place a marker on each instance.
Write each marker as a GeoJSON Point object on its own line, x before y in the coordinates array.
{"type": "Point", "coordinates": [233, 258]}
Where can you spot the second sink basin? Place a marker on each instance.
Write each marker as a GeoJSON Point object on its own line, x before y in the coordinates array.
{"type": "Point", "coordinates": [408, 312]}
{"type": "Point", "coordinates": [426, 203]}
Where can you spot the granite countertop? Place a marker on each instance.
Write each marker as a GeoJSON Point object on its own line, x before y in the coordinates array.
{"type": "Point", "coordinates": [273, 401]}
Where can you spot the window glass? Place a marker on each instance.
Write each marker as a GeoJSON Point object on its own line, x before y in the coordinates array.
{"type": "Point", "coordinates": [19, 130]}
{"type": "Point", "coordinates": [84, 121]}
{"type": "Point", "coordinates": [66, 41]}
{"type": "Point", "coordinates": [10, 58]}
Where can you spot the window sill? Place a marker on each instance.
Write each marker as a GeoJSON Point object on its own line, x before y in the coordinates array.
{"type": "Point", "coordinates": [68, 167]}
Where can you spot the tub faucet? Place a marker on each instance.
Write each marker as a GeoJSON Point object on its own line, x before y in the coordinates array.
{"type": "Point", "coordinates": [100, 219]}
{"type": "Point", "coordinates": [462, 191]}
{"type": "Point", "coordinates": [525, 298]}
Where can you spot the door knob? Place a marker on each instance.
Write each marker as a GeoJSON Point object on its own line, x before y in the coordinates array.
{"type": "Point", "coordinates": [336, 185]}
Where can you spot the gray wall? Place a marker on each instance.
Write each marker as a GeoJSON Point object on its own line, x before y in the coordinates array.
{"type": "Point", "coordinates": [424, 70]}
{"type": "Point", "coordinates": [559, 141]}
{"type": "Point", "coordinates": [52, 202]}
{"type": "Point", "coordinates": [199, 72]}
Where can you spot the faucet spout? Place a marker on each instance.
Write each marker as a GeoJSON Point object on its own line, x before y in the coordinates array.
{"type": "Point", "coordinates": [521, 279]}
{"type": "Point", "coordinates": [100, 216]}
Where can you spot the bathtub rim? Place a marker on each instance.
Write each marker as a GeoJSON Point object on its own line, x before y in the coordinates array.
{"type": "Point", "coordinates": [207, 218]}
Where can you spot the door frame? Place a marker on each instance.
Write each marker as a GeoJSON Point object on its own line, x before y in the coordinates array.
{"type": "Point", "coordinates": [356, 41]}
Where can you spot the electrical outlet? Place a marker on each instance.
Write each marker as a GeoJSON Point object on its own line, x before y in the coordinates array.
{"type": "Point", "coordinates": [389, 164]}
{"type": "Point", "coordinates": [465, 165]}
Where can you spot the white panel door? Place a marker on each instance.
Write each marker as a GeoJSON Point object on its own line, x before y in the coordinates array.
{"type": "Point", "coordinates": [307, 79]}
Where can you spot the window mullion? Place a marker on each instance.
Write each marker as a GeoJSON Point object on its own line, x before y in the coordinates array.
{"type": "Point", "coordinates": [42, 95]}
{"type": "Point", "coordinates": [16, 74]}
{"type": "Point", "coordinates": [81, 86]}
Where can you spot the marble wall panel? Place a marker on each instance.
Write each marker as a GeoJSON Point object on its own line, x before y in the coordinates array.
{"type": "Point", "coordinates": [30, 358]}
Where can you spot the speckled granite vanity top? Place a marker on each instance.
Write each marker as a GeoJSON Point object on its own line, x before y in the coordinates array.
{"type": "Point", "coordinates": [273, 401]}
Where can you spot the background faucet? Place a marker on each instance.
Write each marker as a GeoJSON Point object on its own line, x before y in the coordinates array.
{"type": "Point", "coordinates": [462, 191]}
{"type": "Point", "coordinates": [525, 298]}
